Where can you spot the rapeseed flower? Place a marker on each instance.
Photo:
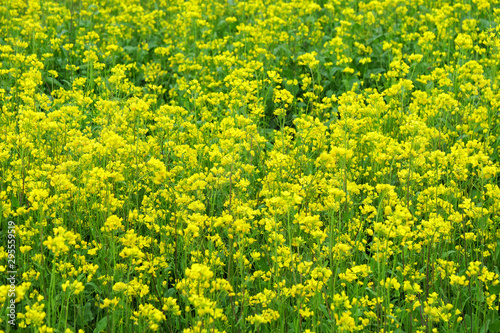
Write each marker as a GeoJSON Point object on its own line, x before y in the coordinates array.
{"type": "Point", "coordinates": [209, 166]}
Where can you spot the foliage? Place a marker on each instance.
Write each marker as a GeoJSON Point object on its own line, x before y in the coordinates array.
{"type": "Point", "coordinates": [251, 166]}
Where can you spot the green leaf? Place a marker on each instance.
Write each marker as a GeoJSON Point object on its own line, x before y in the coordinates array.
{"type": "Point", "coordinates": [494, 289]}
{"type": "Point", "coordinates": [15, 203]}
{"type": "Point", "coordinates": [495, 326]}
{"type": "Point", "coordinates": [285, 50]}
{"type": "Point", "coordinates": [52, 80]}
{"type": "Point", "coordinates": [91, 285]}
{"type": "Point", "coordinates": [171, 292]}
{"type": "Point", "coordinates": [262, 265]}
{"type": "Point", "coordinates": [486, 24]}
{"type": "Point", "coordinates": [376, 71]}
{"type": "Point", "coordinates": [480, 297]}
{"type": "Point", "coordinates": [130, 49]}
{"type": "Point", "coordinates": [101, 325]}
{"type": "Point", "coordinates": [467, 320]}
{"type": "Point", "coordinates": [371, 291]}
{"type": "Point", "coordinates": [484, 329]}
{"type": "Point", "coordinates": [446, 254]}
{"type": "Point", "coordinates": [88, 316]}
{"type": "Point", "coordinates": [374, 38]}
{"type": "Point", "coordinates": [335, 70]}
{"type": "Point", "coordinates": [324, 309]}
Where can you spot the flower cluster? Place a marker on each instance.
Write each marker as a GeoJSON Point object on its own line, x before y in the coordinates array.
{"type": "Point", "coordinates": [241, 166]}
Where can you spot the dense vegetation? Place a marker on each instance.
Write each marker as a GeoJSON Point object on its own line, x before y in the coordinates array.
{"type": "Point", "coordinates": [250, 166]}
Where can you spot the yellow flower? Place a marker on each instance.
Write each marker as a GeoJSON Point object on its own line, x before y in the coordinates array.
{"type": "Point", "coordinates": [109, 302]}
{"type": "Point", "coordinates": [306, 312]}
{"type": "Point", "coordinates": [345, 323]}
{"type": "Point", "coordinates": [150, 314]}
{"type": "Point", "coordinates": [391, 283]}
{"type": "Point", "coordinates": [113, 223]}
{"type": "Point", "coordinates": [45, 329]}
{"type": "Point", "coordinates": [75, 287]}
{"type": "Point", "coordinates": [458, 280]}
{"type": "Point", "coordinates": [59, 244]}
{"type": "Point", "coordinates": [119, 286]}
{"type": "Point", "coordinates": [170, 304]}
{"type": "Point", "coordinates": [34, 315]}
{"type": "Point", "coordinates": [308, 59]}
{"type": "Point", "coordinates": [463, 41]}
{"type": "Point", "coordinates": [267, 316]}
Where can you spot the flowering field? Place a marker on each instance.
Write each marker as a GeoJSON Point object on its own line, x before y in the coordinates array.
{"type": "Point", "coordinates": [249, 166]}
